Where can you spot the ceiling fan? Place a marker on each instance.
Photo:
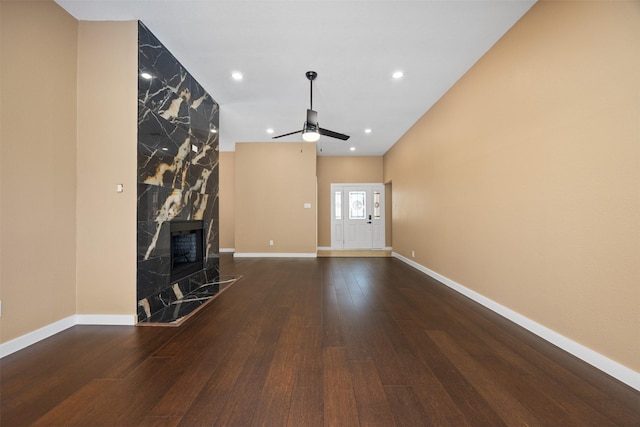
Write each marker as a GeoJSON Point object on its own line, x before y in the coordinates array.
{"type": "Point", "coordinates": [310, 130]}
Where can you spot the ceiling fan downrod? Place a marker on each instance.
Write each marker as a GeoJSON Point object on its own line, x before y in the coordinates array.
{"type": "Point", "coordinates": [311, 75]}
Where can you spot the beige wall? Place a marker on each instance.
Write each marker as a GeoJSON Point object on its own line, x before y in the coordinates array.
{"type": "Point", "coordinates": [341, 169]}
{"type": "Point", "coordinates": [227, 203]}
{"type": "Point", "coordinates": [107, 155]}
{"type": "Point", "coordinates": [358, 169]}
{"type": "Point", "coordinates": [69, 125]}
{"type": "Point", "coordinates": [273, 181]}
{"type": "Point", "coordinates": [523, 182]}
{"type": "Point", "coordinates": [38, 158]}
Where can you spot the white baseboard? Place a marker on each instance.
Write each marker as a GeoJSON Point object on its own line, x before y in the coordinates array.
{"type": "Point", "coordinates": [597, 360]}
{"type": "Point", "coordinates": [227, 250]}
{"type": "Point", "coordinates": [106, 319]}
{"type": "Point", "coordinates": [274, 255]}
{"type": "Point", "coordinates": [30, 338]}
{"type": "Point", "coordinates": [328, 248]}
{"type": "Point", "coordinates": [38, 335]}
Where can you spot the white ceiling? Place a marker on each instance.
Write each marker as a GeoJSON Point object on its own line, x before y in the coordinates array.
{"type": "Point", "coordinates": [354, 46]}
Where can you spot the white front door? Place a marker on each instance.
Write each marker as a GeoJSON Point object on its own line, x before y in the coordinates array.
{"type": "Point", "coordinates": [357, 216]}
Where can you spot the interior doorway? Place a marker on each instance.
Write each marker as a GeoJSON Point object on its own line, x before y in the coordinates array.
{"type": "Point", "coordinates": [357, 216]}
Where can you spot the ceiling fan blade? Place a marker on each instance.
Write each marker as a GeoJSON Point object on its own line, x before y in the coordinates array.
{"type": "Point", "coordinates": [287, 134]}
{"type": "Point", "coordinates": [333, 134]}
{"type": "Point", "coordinates": [312, 118]}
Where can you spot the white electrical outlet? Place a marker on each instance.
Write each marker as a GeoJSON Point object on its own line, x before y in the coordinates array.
{"type": "Point", "coordinates": [270, 242]}
{"type": "Point", "coordinates": [413, 254]}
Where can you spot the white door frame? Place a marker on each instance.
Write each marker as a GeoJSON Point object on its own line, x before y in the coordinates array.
{"type": "Point", "coordinates": [373, 226]}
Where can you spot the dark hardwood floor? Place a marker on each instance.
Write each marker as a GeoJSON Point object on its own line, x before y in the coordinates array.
{"type": "Point", "coordinates": [311, 342]}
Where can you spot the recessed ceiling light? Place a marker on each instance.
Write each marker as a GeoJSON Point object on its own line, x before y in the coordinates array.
{"type": "Point", "coordinates": [367, 130]}
{"type": "Point", "coordinates": [352, 148]}
{"type": "Point", "coordinates": [269, 130]}
{"type": "Point", "coordinates": [146, 75]}
{"type": "Point", "coordinates": [237, 75]}
{"type": "Point", "coordinates": [397, 75]}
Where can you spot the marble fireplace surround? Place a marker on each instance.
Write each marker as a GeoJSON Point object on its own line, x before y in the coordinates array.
{"type": "Point", "coordinates": [177, 180]}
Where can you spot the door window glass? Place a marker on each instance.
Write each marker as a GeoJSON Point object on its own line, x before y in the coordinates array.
{"type": "Point", "coordinates": [376, 205]}
{"type": "Point", "coordinates": [337, 202]}
{"type": "Point", "coordinates": [357, 204]}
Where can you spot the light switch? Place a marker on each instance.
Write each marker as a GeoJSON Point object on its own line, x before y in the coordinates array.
{"type": "Point", "coordinates": [307, 205]}
{"type": "Point", "coordinates": [119, 188]}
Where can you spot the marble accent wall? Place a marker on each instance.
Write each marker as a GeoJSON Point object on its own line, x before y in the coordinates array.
{"type": "Point", "coordinates": [177, 172]}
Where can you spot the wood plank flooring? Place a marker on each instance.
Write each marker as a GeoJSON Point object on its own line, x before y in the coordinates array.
{"type": "Point", "coordinates": [313, 342]}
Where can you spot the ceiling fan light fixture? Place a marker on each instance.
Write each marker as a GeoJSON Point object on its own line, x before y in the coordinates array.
{"type": "Point", "coordinates": [310, 135]}
{"type": "Point", "coordinates": [310, 132]}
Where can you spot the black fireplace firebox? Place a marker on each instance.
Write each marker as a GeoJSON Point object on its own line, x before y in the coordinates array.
{"type": "Point", "coordinates": [187, 248]}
